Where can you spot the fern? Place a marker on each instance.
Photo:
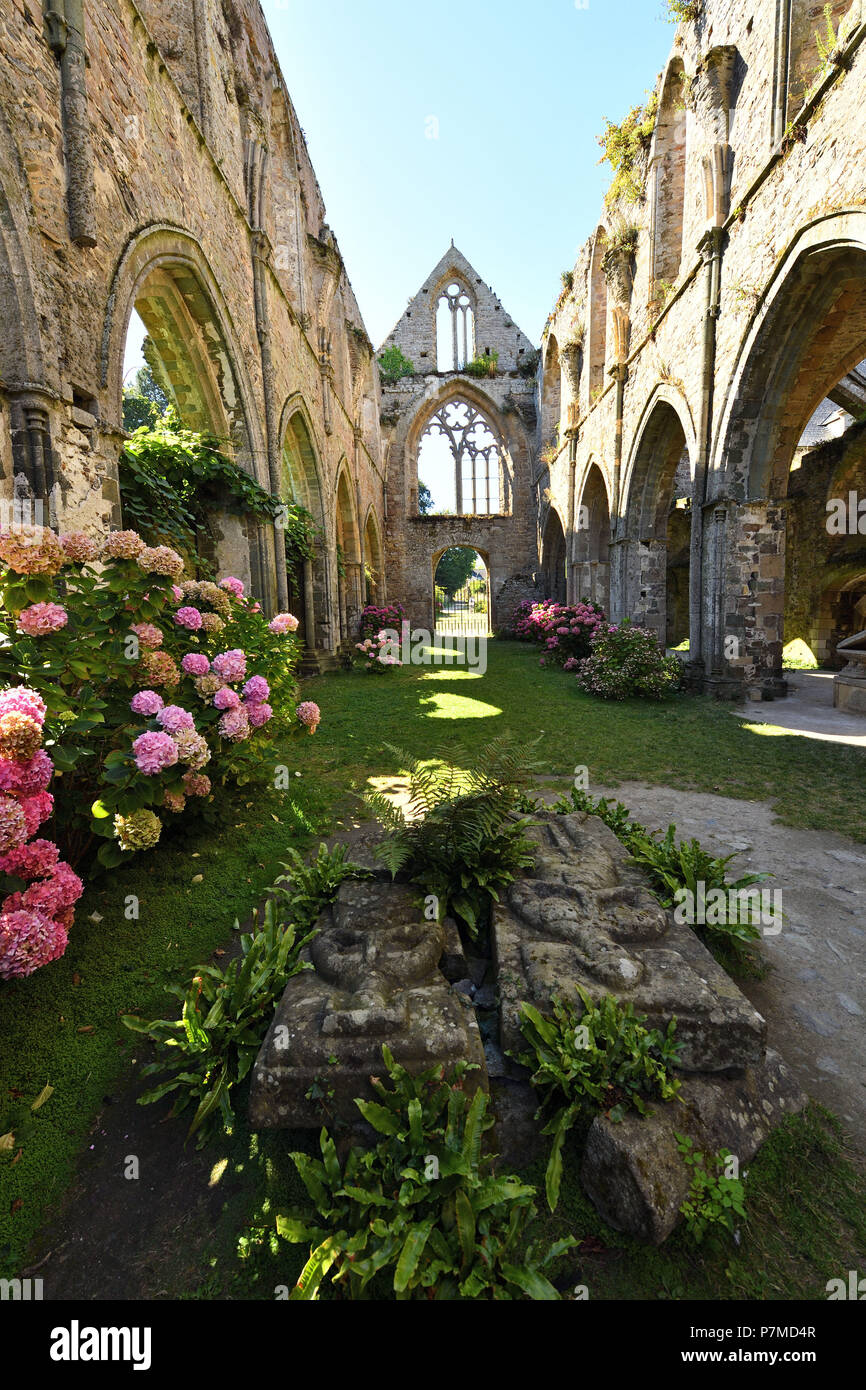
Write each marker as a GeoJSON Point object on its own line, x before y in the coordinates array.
{"type": "Point", "coordinates": [459, 836]}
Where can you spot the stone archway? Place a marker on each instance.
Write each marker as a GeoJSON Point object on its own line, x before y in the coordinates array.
{"type": "Point", "coordinates": [591, 565]}
{"type": "Point", "coordinates": [554, 557]}
{"type": "Point", "coordinates": [348, 557]}
{"type": "Point", "coordinates": [307, 580]}
{"type": "Point", "coordinates": [807, 335]}
{"type": "Point", "coordinates": [374, 574]}
{"type": "Point", "coordinates": [651, 582]}
{"type": "Point", "coordinates": [195, 358]}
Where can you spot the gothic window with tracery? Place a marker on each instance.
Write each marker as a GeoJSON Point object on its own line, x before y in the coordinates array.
{"type": "Point", "coordinates": [455, 329]}
{"type": "Point", "coordinates": [460, 463]}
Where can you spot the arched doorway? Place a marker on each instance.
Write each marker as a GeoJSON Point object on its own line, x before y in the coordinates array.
{"type": "Point", "coordinates": [553, 558]}
{"type": "Point", "coordinates": [348, 559]}
{"type": "Point", "coordinates": [167, 316]}
{"type": "Point", "coordinates": [803, 354]}
{"type": "Point", "coordinates": [592, 542]}
{"type": "Point", "coordinates": [653, 586]}
{"type": "Point", "coordinates": [374, 586]}
{"type": "Point", "coordinates": [306, 574]}
{"type": "Point", "coordinates": [461, 592]}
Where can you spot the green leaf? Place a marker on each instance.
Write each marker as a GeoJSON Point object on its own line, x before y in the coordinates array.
{"type": "Point", "coordinates": [381, 1119]}
{"type": "Point", "coordinates": [411, 1254]}
{"type": "Point", "coordinates": [531, 1283]}
{"type": "Point", "coordinates": [314, 1271]}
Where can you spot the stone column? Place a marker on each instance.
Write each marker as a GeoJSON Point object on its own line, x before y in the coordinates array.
{"type": "Point", "coordinates": [744, 598]}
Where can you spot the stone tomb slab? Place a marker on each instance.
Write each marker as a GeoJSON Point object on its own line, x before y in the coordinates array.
{"type": "Point", "coordinates": [374, 979]}
{"type": "Point", "coordinates": [586, 918]}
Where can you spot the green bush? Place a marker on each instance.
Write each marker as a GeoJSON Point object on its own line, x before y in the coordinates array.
{"type": "Point", "coordinates": [393, 365]}
{"type": "Point", "coordinates": [627, 661]}
{"type": "Point", "coordinates": [422, 1209]}
{"type": "Point", "coordinates": [484, 364]}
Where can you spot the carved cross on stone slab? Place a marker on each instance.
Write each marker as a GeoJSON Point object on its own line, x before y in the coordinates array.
{"type": "Point", "coordinates": [585, 917]}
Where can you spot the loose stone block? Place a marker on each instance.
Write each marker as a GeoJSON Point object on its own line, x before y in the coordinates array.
{"type": "Point", "coordinates": [633, 1172]}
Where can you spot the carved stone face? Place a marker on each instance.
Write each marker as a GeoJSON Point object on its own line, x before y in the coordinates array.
{"type": "Point", "coordinates": [397, 956]}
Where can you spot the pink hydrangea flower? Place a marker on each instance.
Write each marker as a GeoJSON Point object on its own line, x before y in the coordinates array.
{"type": "Point", "coordinates": [196, 784]}
{"type": "Point", "coordinates": [256, 690]}
{"type": "Point", "coordinates": [177, 591]}
{"type": "Point", "coordinates": [309, 714]}
{"type": "Point", "coordinates": [32, 550]}
{"type": "Point", "coordinates": [154, 752]}
{"type": "Point", "coordinates": [283, 622]}
{"type": "Point", "coordinates": [188, 617]}
{"type": "Point", "coordinates": [35, 860]}
{"type": "Point", "coordinates": [40, 618]}
{"type": "Point", "coordinates": [172, 718]}
{"type": "Point", "coordinates": [234, 586]}
{"type": "Point", "coordinates": [195, 664]}
{"type": "Point", "coordinates": [230, 666]}
{"type": "Point", "coordinates": [32, 775]}
{"type": "Point", "coordinates": [148, 635]}
{"type": "Point", "coordinates": [79, 547]}
{"type": "Point", "coordinates": [37, 809]}
{"type": "Point", "coordinates": [28, 940]}
{"type": "Point", "coordinates": [146, 702]}
{"type": "Point", "coordinates": [259, 714]}
{"type": "Point", "coordinates": [60, 890]}
{"type": "Point", "coordinates": [226, 698]}
{"type": "Point", "coordinates": [235, 724]}
{"type": "Point", "coordinates": [174, 801]}
{"type": "Point", "coordinates": [23, 700]}
{"type": "Point", "coordinates": [122, 545]}
{"type": "Point", "coordinates": [160, 559]}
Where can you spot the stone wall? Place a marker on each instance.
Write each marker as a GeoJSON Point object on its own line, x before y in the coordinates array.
{"type": "Point", "coordinates": [150, 158]}
{"type": "Point", "coordinates": [761, 190]}
{"type": "Point", "coordinates": [506, 539]}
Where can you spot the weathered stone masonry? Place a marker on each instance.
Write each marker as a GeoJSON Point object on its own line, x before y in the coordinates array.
{"type": "Point", "coordinates": [706, 324]}
{"type": "Point", "coordinates": [150, 157]}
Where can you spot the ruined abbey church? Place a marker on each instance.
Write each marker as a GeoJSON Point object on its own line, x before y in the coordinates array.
{"type": "Point", "coordinates": [685, 444]}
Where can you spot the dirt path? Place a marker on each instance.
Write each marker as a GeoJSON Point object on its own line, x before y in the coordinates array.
{"type": "Point", "coordinates": [814, 997]}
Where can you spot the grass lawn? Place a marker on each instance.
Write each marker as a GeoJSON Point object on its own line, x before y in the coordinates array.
{"type": "Point", "coordinates": [62, 1025]}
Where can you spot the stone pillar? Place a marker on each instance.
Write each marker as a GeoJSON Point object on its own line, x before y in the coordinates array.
{"type": "Point", "coordinates": [744, 588]}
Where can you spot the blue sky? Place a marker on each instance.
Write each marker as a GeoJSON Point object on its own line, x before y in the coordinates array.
{"type": "Point", "coordinates": [519, 89]}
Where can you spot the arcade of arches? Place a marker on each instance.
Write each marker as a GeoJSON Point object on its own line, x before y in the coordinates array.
{"type": "Point", "coordinates": [688, 451]}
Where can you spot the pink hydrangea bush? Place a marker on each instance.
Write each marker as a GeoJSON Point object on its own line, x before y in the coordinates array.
{"type": "Point", "coordinates": [38, 890]}
{"type": "Point", "coordinates": [144, 677]}
{"type": "Point", "coordinates": [562, 631]}
{"type": "Point", "coordinates": [376, 654]}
